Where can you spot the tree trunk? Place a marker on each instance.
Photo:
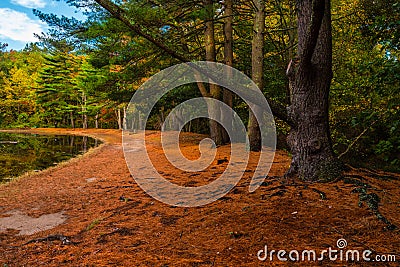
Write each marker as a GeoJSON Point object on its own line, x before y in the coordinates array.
{"type": "Point", "coordinates": [96, 121]}
{"type": "Point", "coordinates": [227, 96]}
{"type": "Point", "coordinates": [310, 76]}
{"type": "Point", "coordinates": [215, 90]}
{"type": "Point", "coordinates": [257, 67]}
{"type": "Point", "coordinates": [124, 119]}
{"type": "Point", "coordinates": [84, 111]}
{"type": "Point", "coordinates": [85, 121]}
{"type": "Point", "coordinates": [141, 30]}
{"type": "Point", "coordinates": [119, 119]}
{"type": "Point", "coordinates": [71, 116]}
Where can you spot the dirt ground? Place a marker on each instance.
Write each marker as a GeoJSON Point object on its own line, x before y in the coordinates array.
{"type": "Point", "coordinates": [110, 221]}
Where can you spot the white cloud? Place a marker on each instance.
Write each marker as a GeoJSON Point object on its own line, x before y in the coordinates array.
{"type": "Point", "coordinates": [30, 3]}
{"type": "Point", "coordinates": [18, 26]}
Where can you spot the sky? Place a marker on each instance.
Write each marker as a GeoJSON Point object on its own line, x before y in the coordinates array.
{"type": "Point", "coordinates": [18, 23]}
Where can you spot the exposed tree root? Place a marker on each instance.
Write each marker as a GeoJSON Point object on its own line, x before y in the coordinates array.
{"type": "Point", "coordinates": [65, 240]}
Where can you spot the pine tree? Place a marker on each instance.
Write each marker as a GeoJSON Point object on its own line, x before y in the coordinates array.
{"type": "Point", "coordinates": [57, 94]}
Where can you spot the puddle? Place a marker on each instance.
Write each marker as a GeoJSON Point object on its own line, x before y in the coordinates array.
{"type": "Point", "coordinates": [20, 153]}
{"type": "Point", "coordinates": [29, 225]}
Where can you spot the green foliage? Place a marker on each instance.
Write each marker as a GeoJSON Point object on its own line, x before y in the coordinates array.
{"type": "Point", "coordinates": [91, 68]}
{"type": "Point", "coordinates": [17, 87]}
{"type": "Point", "coordinates": [49, 89]}
{"type": "Point", "coordinates": [56, 93]}
{"type": "Point", "coordinates": [365, 94]}
{"type": "Point", "coordinates": [3, 46]}
{"type": "Point", "coordinates": [382, 22]}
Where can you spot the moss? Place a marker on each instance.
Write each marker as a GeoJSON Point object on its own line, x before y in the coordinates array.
{"type": "Point", "coordinates": [93, 224]}
{"type": "Point", "coordinates": [372, 200]}
{"type": "Point", "coordinates": [330, 170]}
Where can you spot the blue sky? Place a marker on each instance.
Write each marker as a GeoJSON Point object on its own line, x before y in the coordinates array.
{"type": "Point", "coordinates": [18, 23]}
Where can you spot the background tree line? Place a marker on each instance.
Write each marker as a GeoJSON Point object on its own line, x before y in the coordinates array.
{"type": "Point", "coordinates": [83, 73]}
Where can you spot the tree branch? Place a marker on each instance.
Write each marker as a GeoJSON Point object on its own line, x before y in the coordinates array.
{"type": "Point", "coordinates": [120, 14]}
{"type": "Point", "coordinates": [311, 37]}
{"type": "Point", "coordinates": [356, 139]}
{"type": "Point", "coordinates": [280, 111]}
{"type": "Point", "coordinates": [277, 109]}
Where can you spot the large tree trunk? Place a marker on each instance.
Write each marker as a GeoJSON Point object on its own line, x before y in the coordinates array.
{"type": "Point", "coordinates": [215, 90]}
{"type": "Point", "coordinates": [257, 67]}
{"type": "Point", "coordinates": [310, 76]}
{"type": "Point", "coordinates": [227, 95]}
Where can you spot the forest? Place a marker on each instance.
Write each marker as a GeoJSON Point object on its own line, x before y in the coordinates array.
{"type": "Point", "coordinates": [114, 195]}
{"type": "Point", "coordinates": [82, 74]}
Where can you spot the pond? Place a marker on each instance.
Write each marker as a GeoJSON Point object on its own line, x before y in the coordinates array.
{"type": "Point", "coordinates": [20, 153]}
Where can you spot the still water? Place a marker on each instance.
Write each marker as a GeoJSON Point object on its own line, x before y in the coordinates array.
{"type": "Point", "coordinates": [20, 153]}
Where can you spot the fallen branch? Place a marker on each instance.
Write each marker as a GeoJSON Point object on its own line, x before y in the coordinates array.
{"type": "Point", "coordinates": [64, 240]}
{"type": "Point", "coordinates": [356, 139]}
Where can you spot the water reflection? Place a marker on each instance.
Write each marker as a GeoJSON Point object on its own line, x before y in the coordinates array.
{"type": "Point", "coordinates": [20, 153]}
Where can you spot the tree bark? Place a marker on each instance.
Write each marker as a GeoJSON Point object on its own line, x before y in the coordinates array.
{"type": "Point", "coordinates": [227, 96]}
{"type": "Point", "coordinates": [310, 76]}
{"type": "Point", "coordinates": [84, 111]}
{"type": "Point", "coordinates": [119, 119]}
{"type": "Point", "coordinates": [124, 121]}
{"type": "Point", "coordinates": [257, 69]}
{"type": "Point", "coordinates": [96, 121]}
{"type": "Point", "coordinates": [215, 90]}
{"type": "Point", "coordinates": [71, 116]}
